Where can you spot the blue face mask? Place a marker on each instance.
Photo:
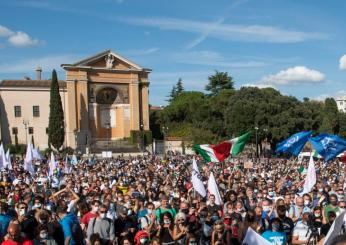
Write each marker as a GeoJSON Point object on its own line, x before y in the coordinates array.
{"type": "Point", "coordinates": [214, 218]}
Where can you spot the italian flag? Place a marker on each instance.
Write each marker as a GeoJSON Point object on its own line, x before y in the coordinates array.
{"type": "Point", "coordinates": [218, 153]}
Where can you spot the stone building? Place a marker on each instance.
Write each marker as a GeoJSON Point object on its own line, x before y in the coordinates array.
{"type": "Point", "coordinates": [104, 97]}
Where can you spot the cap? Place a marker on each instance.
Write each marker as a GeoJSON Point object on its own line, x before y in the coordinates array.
{"type": "Point", "coordinates": [306, 210]}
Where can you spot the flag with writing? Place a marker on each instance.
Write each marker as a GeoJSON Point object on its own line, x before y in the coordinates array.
{"type": "Point", "coordinates": [28, 159]}
{"type": "Point", "coordinates": [294, 144]}
{"type": "Point", "coordinates": [253, 238]}
{"type": "Point", "coordinates": [328, 145]}
{"type": "Point", "coordinates": [310, 179]}
{"type": "Point", "coordinates": [196, 179]}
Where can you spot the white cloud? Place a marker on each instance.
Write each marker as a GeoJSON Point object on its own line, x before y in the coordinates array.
{"type": "Point", "coordinates": [47, 63]}
{"type": "Point", "coordinates": [215, 60]}
{"type": "Point", "coordinates": [18, 38]}
{"type": "Point", "coordinates": [249, 33]}
{"type": "Point", "coordinates": [5, 32]}
{"type": "Point", "coordinates": [21, 39]}
{"type": "Point", "coordinates": [342, 62]}
{"type": "Point", "coordinates": [294, 75]}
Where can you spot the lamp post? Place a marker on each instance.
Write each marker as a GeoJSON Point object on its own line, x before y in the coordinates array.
{"type": "Point", "coordinates": [256, 131]}
{"type": "Point", "coordinates": [142, 138]}
{"type": "Point", "coordinates": [26, 124]}
{"type": "Point", "coordinates": [108, 127]}
{"type": "Point", "coordinates": [164, 130]}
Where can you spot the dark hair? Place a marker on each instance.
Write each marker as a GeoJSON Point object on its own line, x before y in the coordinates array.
{"type": "Point", "coordinates": [61, 210]}
{"type": "Point", "coordinates": [95, 237]}
{"type": "Point", "coordinates": [277, 220]}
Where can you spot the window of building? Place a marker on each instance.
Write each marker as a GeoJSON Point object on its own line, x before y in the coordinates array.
{"type": "Point", "coordinates": [15, 130]}
{"type": "Point", "coordinates": [341, 103]}
{"type": "Point", "coordinates": [31, 130]}
{"type": "Point", "coordinates": [36, 111]}
{"type": "Point", "coordinates": [17, 111]}
{"type": "Point", "coordinates": [46, 130]}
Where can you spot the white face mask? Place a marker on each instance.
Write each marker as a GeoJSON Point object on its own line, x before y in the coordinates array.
{"type": "Point", "coordinates": [150, 211]}
{"type": "Point", "coordinates": [266, 208]}
{"type": "Point", "coordinates": [103, 215]}
{"type": "Point", "coordinates": [21, 212]}
{"type": "Point", "coordinates": [36, 206]}
{"type": "Point", "coordinates": [43, 235]}
{"type": "Point", "coordinates": [143, 240]}
{"type": "Point", "coordinates": [306, 202]}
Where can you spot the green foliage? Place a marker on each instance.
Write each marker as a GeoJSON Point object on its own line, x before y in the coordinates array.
{"type": "Point", "coordinates": [176, 90]}
{"type": "Point", "coordinates": [47, 152]}
{"type": "Point", "coordinates": [19, 149]}
{"type": "Point", "coordinates": [154, 124]}
{"type": "Point", "coordinates": [219, 81]}
{"type": "Point", "coordinates": [67, 151]}
{"type": "Point", "coordinates": [16, 140]}
{"type": "Point", "coordinates": [229, 113]}
{"type": "Point", "coordinates": [136, 137]}
{"type": "Point", "coordinates": [56, 131]}
{"type": "Point", "coordinates": [330, 123]}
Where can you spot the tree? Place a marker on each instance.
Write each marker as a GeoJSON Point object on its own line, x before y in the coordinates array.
{"type": "Point", "coordinates": [56, 132]}
{"type": "Point", "coordinates": [219, 81]}
{"type": "Point", "coordinates": [172, 95]}
{"type": "Point", "coordinates": [179, 87]}
{"type": "Point", "coordinates": [32, 141]}
{"type": "Point", "coordinates": [330, 123]}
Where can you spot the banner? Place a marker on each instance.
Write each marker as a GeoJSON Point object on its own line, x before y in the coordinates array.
{"type": "Point", "coordinates": [253, 238]}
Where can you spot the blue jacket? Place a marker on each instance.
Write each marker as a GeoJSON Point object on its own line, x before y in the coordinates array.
{"type": "Point", "coordinates": [66, 223]}
{"type": "Point", "coordinates": [4, 222]}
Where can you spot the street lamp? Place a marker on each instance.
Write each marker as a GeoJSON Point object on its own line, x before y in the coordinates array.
{"type": "Point", "coordinates": [26, 124]}
{"type": "Point", "coordinates": [256, 131]}
{"type": "Point", "coordinates": [142, 138]}
{"type": "Point", "coordinates": [164, 130]}
{"type": "Point", "coordinates": [108, 127]}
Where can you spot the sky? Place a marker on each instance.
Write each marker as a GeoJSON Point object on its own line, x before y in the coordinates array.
{"type": "Point", "coordinates": [296, 46]}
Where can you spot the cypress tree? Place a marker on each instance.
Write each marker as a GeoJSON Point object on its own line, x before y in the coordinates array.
{"type": "Point", "coordinates": [56, 130]}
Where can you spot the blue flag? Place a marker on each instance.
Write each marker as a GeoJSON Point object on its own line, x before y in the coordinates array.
{"type": "Point", "coordinates": [328, 145]}
{"type": "Point", "coordinates": [294, 144]}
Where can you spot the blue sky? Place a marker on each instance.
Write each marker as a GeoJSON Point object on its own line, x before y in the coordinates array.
{"type": "Point", "coordinates": [296, 46]}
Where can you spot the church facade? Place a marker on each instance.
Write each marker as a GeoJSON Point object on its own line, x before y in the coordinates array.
{"type": "Point", "coordinates": [104, 97]}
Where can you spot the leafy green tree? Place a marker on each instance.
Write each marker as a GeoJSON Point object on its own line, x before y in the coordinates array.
{"type": "Point", "coordinates": [179, 87]}
{"type": "Point", "coordinates": [342, 121]}
{"type": "Point", "coordinates": [218, 82]}
{"type": "Point", "coordinates": [56, 131]}
{"type": "Point", "coordinates": [172, 94]}
{"type": "Point", "coordinates": [330, 123]}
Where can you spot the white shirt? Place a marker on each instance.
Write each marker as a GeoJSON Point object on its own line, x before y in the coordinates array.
{"type": "Point", "coordinates": [302, 231]}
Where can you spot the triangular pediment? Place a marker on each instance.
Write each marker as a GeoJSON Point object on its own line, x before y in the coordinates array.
{"type": "Point", "coordinates": [110, 60]}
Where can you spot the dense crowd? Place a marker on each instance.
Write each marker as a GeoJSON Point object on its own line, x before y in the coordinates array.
{"type": "Point", "coordinates": [151, 200]}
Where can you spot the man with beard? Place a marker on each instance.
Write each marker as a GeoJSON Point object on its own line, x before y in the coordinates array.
{"type": "Point", "coordinates": [287, 222]}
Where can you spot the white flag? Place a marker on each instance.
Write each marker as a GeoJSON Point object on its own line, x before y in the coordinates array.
{"type": "Point", "coordinates": [337, 228]}
{"type": "Point", "coordinates": [74, 160]}
{"type": "Point", "coordinates": [28, 159]}
{"type": "Point", "coordinates": [253, 238]}
{"type": "Point", "coordinates": [212, 188]}
{"type": "Point", "coordinates": [2, 156]}
{"type": "Point", "coordinates": [310, 179]}
{"type": "Point", "coordinates": [196, 181]}
{"type": "Point", "coordinates": [52, 164]}
{"type": "Point", "coordinates": [8, 158]}
{"type": "Point", "coordinates": [36, 154]}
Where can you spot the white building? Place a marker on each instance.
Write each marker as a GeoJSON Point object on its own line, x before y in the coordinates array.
{"type": "Point", "coordinates": [341, 103]}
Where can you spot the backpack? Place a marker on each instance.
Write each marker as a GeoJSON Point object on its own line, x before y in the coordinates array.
{"type": "Point", "coordinates": [77, 233]}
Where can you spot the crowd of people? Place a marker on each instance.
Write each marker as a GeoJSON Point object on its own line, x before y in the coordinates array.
{"type": "Point", "coordinates": [151, 200]}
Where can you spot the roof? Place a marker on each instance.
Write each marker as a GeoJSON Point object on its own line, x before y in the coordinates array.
{"type": "Point", "coordinates": [30, 83]}
{"type": "Point", "coordinates": [87, 61]}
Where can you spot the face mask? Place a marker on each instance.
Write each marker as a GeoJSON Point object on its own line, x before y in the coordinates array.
{"type": "Point", "coordinates": [266, 208]}
{"type": "Point", "coordinates": [143, 240]}
{"type": "Point", "coordinates": [22, 212]}
{"type": "Point", "coordinates": [42, 221]}
{"type": "Point", "coordinates": [193, 243]}
{"type": "Point", "coordinates": [43, 235]}
{"type": "Point", "coordinates": [95, 209]}
{"type": "Point", "coordinates": [166, 221]}
{"type": "Point", "coordinates": [239, 210]}
{"type": "Point", "coordinates": [202, 220]}
{"type": "Point", "coordinates": [36, 206]}
{"type": "Point", "coordinates": [120, 199]}
{"type": "Point", "coordinates": [341, 210]}
{"type": "Point", "coordinates": [320, 190]}
{"type": "Point", "coordinates": [215, 218]}
{"type": "Point", "coordinates": [317, 215]}
{"type": "Point", "coordinates": [271, 194]}
{"type": "Point", "coordinates": [150, 211]}
{"type": "Point", "coordinates": [129, 212]}
{"type": "Point", "coordinates": [103, 215]}
{"type": "Point", "coordinates": [340, 197]}
{"type": "Point", "coordinates": [306, 202]}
